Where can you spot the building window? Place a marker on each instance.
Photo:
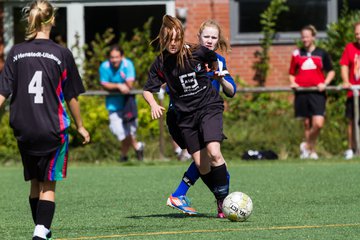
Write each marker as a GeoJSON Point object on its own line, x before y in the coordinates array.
{"type": "Point", "coordinates": [353, 5]}
{"type": "Point", "coordinates": [245, 18]}
{"type": "Point", "coordinates": [121, 19]}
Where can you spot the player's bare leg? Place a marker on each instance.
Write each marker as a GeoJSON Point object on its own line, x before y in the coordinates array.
{"type": "Point", "coordinates": [349, 153]}
{"type": "Point", "coordinates": [307, 128]}
{"type": "Point", "coordinates": [305, 146]}
{"type": "Point", "coordinates": [182, 203]}
{"type": "Point", "coordinates": [214, 154]}
{"type": "Point", "coordinates": [317, 123]}
{"type": "Point", "coordinates": [45, 209]}
{"type": "Point", "coordinates": [124, 149]}
{"type": "Point", "coordinates": [202, 161]}
{"type": "Point", "coordinates": [138, 147]}
{"type": "Point", "coordinates": [34, 189]}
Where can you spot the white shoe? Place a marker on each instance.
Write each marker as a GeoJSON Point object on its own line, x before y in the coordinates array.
{"type": "Point", "coordinates": [140, 146]}
{"type": "Point", "coordinates": [178, 152]}
{"type": "Point", "coordinates": [314, 156]}
{"type": "Point", "coordinates": [140, 151]}
{"type": "Point", "coordinates": [304, 153]}
{"type": "Point", "coordinates": [349, 154]}
{"type": "Point", "coordinates": [184, 156]}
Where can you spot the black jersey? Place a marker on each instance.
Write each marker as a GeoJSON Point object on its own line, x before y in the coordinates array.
{"type": "Point", "coordinates": [40, 75]}
{"type": "Point", "coordinates": [190, 88]}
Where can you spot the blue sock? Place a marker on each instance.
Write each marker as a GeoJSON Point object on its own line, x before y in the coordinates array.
{"type": "Point", "coordinates": [189, 179]}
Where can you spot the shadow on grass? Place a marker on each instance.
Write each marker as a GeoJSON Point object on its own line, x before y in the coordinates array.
{"type": "Point", "coordinates": [172, 215]}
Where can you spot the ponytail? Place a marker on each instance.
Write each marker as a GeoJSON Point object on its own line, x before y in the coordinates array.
{"type": "Point", "coordinates": [37, 14]}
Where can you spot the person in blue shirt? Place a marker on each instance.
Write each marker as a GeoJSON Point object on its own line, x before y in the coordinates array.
{"type": "Point", "coordinates": [210, 35]}
{"type": "Point", "coordinates": [117, 74]}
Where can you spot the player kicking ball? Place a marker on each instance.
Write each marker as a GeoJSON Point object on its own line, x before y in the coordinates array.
{"type": "Point", "coordinates": [198, 104]}
{"type": "Point", "coordinates": [210, 36]}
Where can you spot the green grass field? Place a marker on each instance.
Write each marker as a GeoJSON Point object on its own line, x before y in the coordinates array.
{"type": "Point", "coordinates": [292, 200]}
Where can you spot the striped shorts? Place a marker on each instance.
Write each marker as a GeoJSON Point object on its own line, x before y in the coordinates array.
{"type": "Point", "coordinates": [50, 167]}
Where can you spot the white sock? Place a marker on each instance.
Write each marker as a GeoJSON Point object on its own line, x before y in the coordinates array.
{"type": "Point", "coordinates": [41, 231]}
{"type": "Point", "coordinates": [139, 145]}
{"type": "Point", "coordinates": [178, 150]}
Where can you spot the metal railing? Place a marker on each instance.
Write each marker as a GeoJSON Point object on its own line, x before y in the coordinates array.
{"type": "Point", "coordinates": [354, 89]}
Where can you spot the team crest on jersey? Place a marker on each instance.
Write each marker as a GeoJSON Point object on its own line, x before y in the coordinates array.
{"type": "Point", "coordinates": [189, 82]}
{"type": "Point", "coordinates": [308, 65]}
{"type": "Point", "coordinates": [198, 67]}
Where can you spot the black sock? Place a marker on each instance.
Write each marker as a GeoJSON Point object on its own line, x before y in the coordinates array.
{"type": "Point", "coordinates": [45, 213]}
{"type": "Point", "coordinates": [38, 238]}
{"type": "Point", "coordinates": [33, 205]}
{"type": "Point", "coordinates": [207, 180]}
{"type": "Point", "coordinates": [220, 180]}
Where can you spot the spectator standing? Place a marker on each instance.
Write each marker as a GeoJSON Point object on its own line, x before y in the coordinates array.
{"type": "Point", "coordinates": [117, 75]}
{"type": "Point", "coordinates": [350, 74]}
{"type": "Point", "coordinates": [307, 68]}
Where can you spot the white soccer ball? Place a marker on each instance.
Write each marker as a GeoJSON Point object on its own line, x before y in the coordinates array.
{"type": "Point", "coordinates": [237, 207]}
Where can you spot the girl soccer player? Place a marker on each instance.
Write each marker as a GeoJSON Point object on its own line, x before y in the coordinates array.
{"type": "Point", "coordinates": [210, 36]}
{"type": "Point", "coordinates": [41, 76]}
{"type": "Point", "coordinates": [198, 104]}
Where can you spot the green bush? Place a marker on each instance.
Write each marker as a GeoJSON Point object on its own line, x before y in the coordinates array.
{"type": "Point", "coordinates": [338, 35]}
{"type": "Point", "coordinates": [251, 121]}
{"type": "Point", "coordinates": [8, 146]}
{"type": "Point", "coordinates": [268, 21]}
{"type": "Point", "coordinates": [266, 121]}
{"type": "Point", "coordinates": [138, 49]}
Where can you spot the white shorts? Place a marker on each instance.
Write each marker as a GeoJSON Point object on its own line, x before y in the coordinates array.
{"type": "Point", "coordinates": [119, 128]}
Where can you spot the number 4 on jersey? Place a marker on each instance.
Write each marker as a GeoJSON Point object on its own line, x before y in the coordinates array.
{"type": "Point", "coordinates": [35, 87]}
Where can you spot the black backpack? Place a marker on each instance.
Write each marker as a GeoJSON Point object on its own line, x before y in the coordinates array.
{"type": "Point", "coordinates": [259, 155]}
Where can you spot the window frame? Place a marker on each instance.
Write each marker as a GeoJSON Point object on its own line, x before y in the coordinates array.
{"type": "Point", "coordinates": [282, 37]}
{"type": "Point", "coordinates": [75, 15]}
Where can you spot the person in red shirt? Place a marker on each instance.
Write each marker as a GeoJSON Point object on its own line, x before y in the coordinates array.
{"type": "Point", "coordinates": [350, 74]}
{"type": "Point", "coordinates": [308, 65]}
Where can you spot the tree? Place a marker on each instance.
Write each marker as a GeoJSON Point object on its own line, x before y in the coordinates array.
{"type": "Point", "coordinates": [338, 35]}
{"type": "Point", "coordinates": [138, 49]}
{"type": "Point", "coordinates": [268, 20]}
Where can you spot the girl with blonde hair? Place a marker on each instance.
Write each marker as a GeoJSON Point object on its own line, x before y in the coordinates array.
{"type": "Point", "coordinates": [42, 78]}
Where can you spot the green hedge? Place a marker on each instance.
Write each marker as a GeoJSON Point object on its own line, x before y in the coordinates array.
{"type": "Point", "coordinates": [251, 121]}
{"type": "Point", "coordinates": [266, 121]}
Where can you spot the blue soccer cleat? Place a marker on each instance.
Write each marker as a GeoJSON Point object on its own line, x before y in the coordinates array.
{"type": "Point", "coordinates": [181, 203]}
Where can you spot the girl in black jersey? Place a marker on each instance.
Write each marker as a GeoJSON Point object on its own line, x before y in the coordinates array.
{"type": "Point", "coordinates": [41, 76]}
{"type": "Point", "coordinates": [184, 69]}
{"type": "Point", "coordinates": [210, 36]}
